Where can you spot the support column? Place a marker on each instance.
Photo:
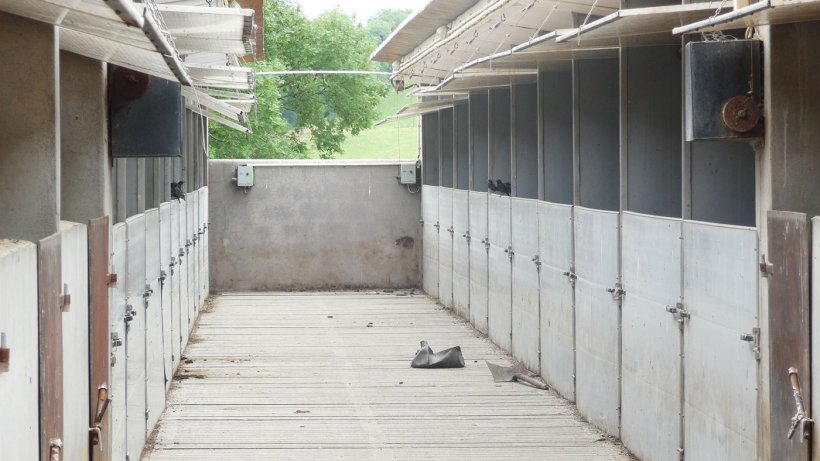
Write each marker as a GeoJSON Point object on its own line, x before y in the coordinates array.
{"type": "Point", "coordinates": [29, 129]}
{"type": "Point", "coordinates": [86, 165]}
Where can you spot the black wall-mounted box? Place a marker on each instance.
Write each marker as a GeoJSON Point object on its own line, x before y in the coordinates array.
{"type": "Point", "coordinates": [145, 115]}
{"type": "Point", "coordinates": [722, 90]}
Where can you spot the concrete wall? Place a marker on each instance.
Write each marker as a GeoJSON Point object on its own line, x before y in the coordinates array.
{"type": "Point", "coordinates": [29, 129]}
{"type": "Point", "coordinates": [313, 225]}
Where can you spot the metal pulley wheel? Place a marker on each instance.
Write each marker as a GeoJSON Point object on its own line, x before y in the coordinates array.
{"type": "Point", "coordinates": [740, 114]}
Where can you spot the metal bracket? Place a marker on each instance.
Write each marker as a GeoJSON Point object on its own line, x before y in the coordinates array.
{"type": "Point", "coordinates": [102, 405]}
{"type": "Point", "coordinates": [65, 299]}
{"type": "Point", "coordinates": [754, 338]}
{"type": "Point", "coordinates": [617, 292]}
{"type": "Point", "coordinates": [451, 231]}
{"type": "Point", "coordinates": [148, 292]}
{"type": "Point", "coordinates": [130, 313]}
{"type": "Point", "coordinates": [800, 420]}
{"type": "Point", "coordinates": [486, 243]}
{"type": "Point", "coordinates": [467, 236]}
{"type": "Point", "coordinates": [162, 276]}
{"type": "Point", "coordinates": [421, 221]}
{"type": "Point", "coordinates": [537, 260]}
{"type": "Point", "coordinates": [181, 254]}
{"type": "Point", "coordinates": [115, 340]}
{"type": "Point", "coordinates": [437, 226]}
{"type": "Point", "coordinates": [766, 268]}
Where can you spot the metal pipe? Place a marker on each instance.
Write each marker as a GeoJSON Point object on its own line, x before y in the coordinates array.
{"type": "Point", "coordinates": [318, 72]}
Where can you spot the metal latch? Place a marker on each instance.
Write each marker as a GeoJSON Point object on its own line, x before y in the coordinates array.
{"type": "Point", "coordinates": [570, 274]}
{"type": "Point", "coordinates": [510, 252]}
{"type": "Point", "coordinates": [55, 450]}
{"type": "Point", "coordinates": [65, 299]}
{"type": "Point", "coordinates": [162, 276]}
{"type": "Point", "coordinates": [99, 414]}
{"type": "Point", "coordinates": [800, 421]}
{"type": "Point", "coordinates": [130, 313]}
{"type": "Point", "coordinates": [678, 311]}
{"type": "Point", "coordinates": [451, 230]}
{"type": "Point", "coordinates": [617, 292]}
{"type": "Point", "coordinates": [148, 292]}
{"type": "Point", "coordinates": [421, 221]}
{"type": "Point", "coordinates": [486, 243]}
{"type": "Point", "coordinates": [437, 226]}
{"type": "Point", "coordinates": [115, 339]}
{"type": "Point", "coordinates": [466, 235]}
{"type": "Point", "coordinates": [537, 260]}
{"type": "Point", "coordinates": [754, 338]}
{"type": "Point", "coordinates": [181, 254]}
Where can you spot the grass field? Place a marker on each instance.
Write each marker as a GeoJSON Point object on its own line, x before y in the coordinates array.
{"type": "Point", "coordinates": [395, 140]}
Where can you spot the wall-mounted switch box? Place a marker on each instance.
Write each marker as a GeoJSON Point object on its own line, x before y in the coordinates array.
{"type": "Point", "coordinates": [407, 173]}
{"type": "Point", "coordinates": [245, 176]}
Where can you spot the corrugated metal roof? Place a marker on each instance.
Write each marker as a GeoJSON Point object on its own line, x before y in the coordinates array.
{"type": "Point", "coordinates": [420, 25]}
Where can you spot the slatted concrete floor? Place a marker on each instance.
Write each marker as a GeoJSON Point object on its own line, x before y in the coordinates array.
{"type": "Point", "coordinates": [303, 376]}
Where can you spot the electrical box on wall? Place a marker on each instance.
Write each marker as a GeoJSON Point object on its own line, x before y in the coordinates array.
{"type": "Point", "coordinates": [408, 173]}
{"type": "Point", "coordinates": [723, 90]}
{"type": "Point", "coordinates": [245, 176]}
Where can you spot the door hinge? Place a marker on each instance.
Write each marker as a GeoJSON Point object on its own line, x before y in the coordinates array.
{"type": "Point", "coordinates": [754, 338]}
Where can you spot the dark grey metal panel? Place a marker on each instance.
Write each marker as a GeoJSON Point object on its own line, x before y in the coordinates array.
{"type": "Point", "coordinates": [478, 140]}
{"type": "Point", "coordinates": [445, 120]}
{"type": "Point", "coordinates": [789, 237]}
{"type": "Point", "coordinates": [599, 133]}
{"type": "Point", "coordinates": [430, 148]}
{"type": "Point", "coordinates": [149, 125]}
{"type": "Point", "coordinates": [462, 146]}
{"type": "Point", "coordinates": [556, 91]}
{"type": "Point", "coordinates": [525, 140]}
{"type": "Point", "coordinates": [723, 182]}
{"type": "Point", "coordinates": [715, 72]}
{"type": "Point", "coordinates": [653, 133]}
{"type": "Point", "coordinates": [500, 134]}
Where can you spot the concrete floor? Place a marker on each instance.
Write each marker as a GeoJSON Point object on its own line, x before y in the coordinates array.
{"type": "Point", "coordinates": [303, 376]}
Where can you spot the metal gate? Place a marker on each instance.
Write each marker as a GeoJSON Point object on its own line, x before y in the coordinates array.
{"type": "Point", "coordinates": [651, 336]}
{"type": "Point", "coordinates": [20, 438]}
{"type": "Point", "coordinates": [99, 250]}
{"type": "Point", "coordinates": [155, 355]}
{"type": "Point", "coordinates": [74, 248]}
{"type": "Point", "coordinates": [720, 299]}
{"type": "Point", "coordinates": [50, 286]}
{"type": "Point", "coordinates": [117, 314]}
{"type": "Point", "coordinates": [788, 252]}
{"type": "Point", "coordinates": [165, 292]}
{"type": "Point", "coordinates": [445, 246]}
{"type": "Point", "coordinates": [461, 254]}
{"type": "Point", "coordinates": [597, 294]}
{"type": "Point", "coordinates": [499, 296]}
{"type": "Point", "coordinates": [525, 294]}
{"type": "Point", "coordinates": [135, 337]}
{"type": "Point", "coordinates": [173, 283]}
{"type": "Point", "coordinates": [478, 260]}
{"type": "Point", "coordinates": [557, 297]}
{"type": "Point", "coordinates": [430, 233]}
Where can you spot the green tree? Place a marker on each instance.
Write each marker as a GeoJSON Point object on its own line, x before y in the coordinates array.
{"type": "Point", "coordinates": [296, 110]}
{"type": "Point", "coordinates": [382, 24]}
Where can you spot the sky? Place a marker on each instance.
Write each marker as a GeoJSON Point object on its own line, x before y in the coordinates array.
{"type": "Point", "coordinates": [363, 9]}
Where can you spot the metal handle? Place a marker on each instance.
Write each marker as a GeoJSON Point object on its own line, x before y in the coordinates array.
{"type": "Point", "coordinates": [800, 420]}
{"type": "Point", "coordinates": [55, 450]}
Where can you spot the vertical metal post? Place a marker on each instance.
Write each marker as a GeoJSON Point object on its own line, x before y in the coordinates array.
{"type": "Point", "coordinates": [576, 135]}
{"type": "Point", "coordinates": [541, 195]}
